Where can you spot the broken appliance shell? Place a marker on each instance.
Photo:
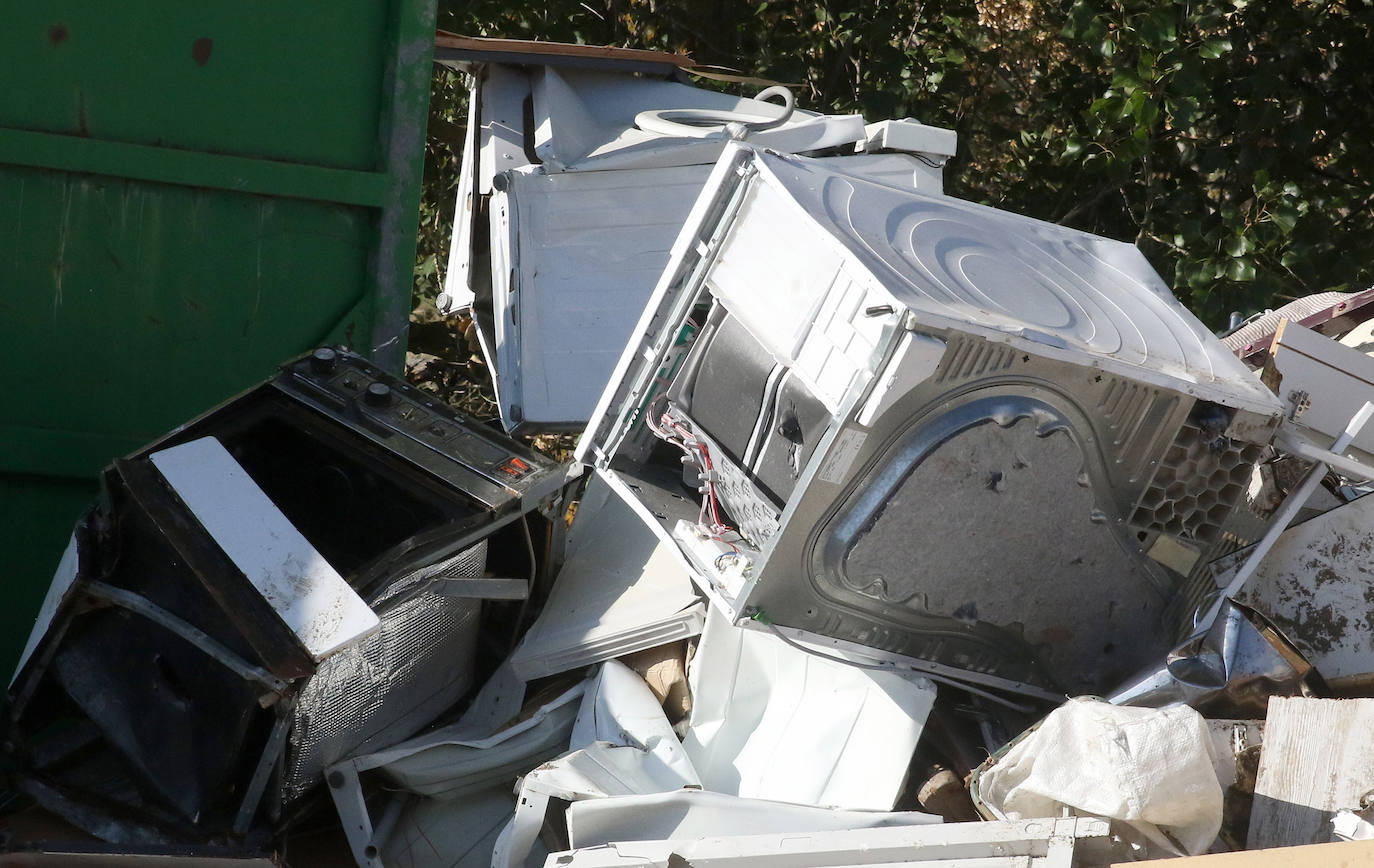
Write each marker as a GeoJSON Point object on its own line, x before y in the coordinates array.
{"type": "Point", "coordinates": [576, 179]}
{"type": "Point", "coordinates": [1232, 668]}
{"type": "Point", "coordinates": [1333, 314]}
{"type": "Point", "coordinates": [1315, 586]}
{"type": "Point", "coordinates": [450, 778]}
{"type": "Point", "coordinates": [689, 814]}
{"type": "Point", "coordinates": [743, 740]}
{"type": "Point", "coordinates": [774, 721]}
{"type": "Point", "coordinates": [620, 590]}
{"type": "Point", "coordinates": [913, 404]}
{"type": "Point", "coordinates": [261, 593]}
{"type": "Point", "coordinates": [1322, 384]}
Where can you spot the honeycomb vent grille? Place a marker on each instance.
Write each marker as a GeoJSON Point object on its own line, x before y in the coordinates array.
{"type": "Point", "coordinates": [1197, 486]}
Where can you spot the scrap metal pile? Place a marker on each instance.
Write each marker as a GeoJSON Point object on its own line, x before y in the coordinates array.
{"type": "Point", "coordinates": [900, 530]}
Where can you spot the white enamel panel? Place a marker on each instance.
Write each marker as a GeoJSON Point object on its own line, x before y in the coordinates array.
{"type": "Point", "coordinates": [307, 593]}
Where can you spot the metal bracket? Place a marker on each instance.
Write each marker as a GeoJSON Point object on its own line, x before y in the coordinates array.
{"type": "Point", "coordinates": [158, 615]}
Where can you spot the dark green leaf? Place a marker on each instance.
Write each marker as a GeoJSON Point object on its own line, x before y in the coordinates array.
{"type": "Point", "coordinates": [1214, 47]}
{"type": "Point", "coordinates": [1285, 217]}
{"type": "Point", "coordinates": [1241, 270]}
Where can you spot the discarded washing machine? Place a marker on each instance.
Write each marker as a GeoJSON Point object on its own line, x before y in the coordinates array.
{"type": "Point", "coordinates": [927, 431]}
{"type": "Point", "coordinates": [581, 164]}
{"type": "Point", "coordinates": [293, 577]}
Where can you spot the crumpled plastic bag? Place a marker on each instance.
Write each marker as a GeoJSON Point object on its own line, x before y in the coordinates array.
{"type": "Point", "coordinates": [1150, 769]}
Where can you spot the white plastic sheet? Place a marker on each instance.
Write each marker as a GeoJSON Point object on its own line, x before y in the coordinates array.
{"type": "Point", "coordinates": [619, 708]}
{"type": "Point", "coordinates": [621, 590]}
{"type": "Point", "coordinates": [771, 721]}
{"type": "Point", "coordinates": [463, 779]}
{"type": "Point", "coordinates": [1351, 826]}
{"type": "Point", "coordinates": [1151, 769]}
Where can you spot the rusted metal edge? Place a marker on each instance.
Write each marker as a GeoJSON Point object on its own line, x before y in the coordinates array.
{"type": "Point", "coordinates": [536, 50]}
{"type": "Point", "coordinates": [1261, 345]}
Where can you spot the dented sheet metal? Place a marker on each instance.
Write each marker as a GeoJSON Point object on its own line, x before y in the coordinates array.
{"type": "Point", "coordinates": [463, 784]}
{"type": "Point", "coordinates": [1231, 669]}
{"type": "Point", "coordinates": [619, 708]}
{"type": "Point", "coordinates": [871, 387]}
{"type": "Point", "coordinates": [1317, 586]}
{"type": "Point", "coordinates": [621, 590]}
{"type": "Point", "coordinates": [687, 814]}
{"type": "Point", "coordinates": [596, 771]}
{"type": "Point", "coordinates": [750, 690]}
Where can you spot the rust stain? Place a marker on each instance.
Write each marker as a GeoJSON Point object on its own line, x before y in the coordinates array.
{"type": "Point", "coordinates": [1320, 628]}
{"type": "Point", "coordinates": [57, 33]}
{"type": "Point", "coordinates": [200, 50]}
{"type": "Point", "coordinates": [1325, 575]}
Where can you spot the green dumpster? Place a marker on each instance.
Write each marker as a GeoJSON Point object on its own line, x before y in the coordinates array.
{"type": "Point", "coordinates": [189, 194]}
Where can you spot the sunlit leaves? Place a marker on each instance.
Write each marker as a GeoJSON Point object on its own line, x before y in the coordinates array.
{"type": "Point", "coordinates": [1230, 139]}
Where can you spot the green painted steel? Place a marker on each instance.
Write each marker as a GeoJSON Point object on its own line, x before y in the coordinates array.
{"type": "Point", "coordinates": [189, 194]}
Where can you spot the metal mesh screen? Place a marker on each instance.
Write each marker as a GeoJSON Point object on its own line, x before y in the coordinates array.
{"type": "Point", "coordinates": [391, 684]}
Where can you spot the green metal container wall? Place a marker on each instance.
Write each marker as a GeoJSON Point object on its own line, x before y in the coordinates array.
{"type": "Point", "coordinates": [189, 194]}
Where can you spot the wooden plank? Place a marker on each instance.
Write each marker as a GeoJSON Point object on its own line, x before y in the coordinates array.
{"type": "Point", "coordinates": [1342, 854]}
{"type": "Point", "coordinates": [1318, 758]}
{"type": "Point", "coordinates": [444, 39]}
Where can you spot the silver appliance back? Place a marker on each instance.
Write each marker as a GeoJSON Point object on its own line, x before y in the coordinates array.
{"type": "Point", "coordinates": [927, 430]}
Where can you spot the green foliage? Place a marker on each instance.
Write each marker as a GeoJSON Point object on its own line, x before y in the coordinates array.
{"type": "Point", "coordinates": [1237, 132]}
{"type": "Point", "coordinates": [1229, 139]}
{"type": "Point", "coordinates": [443, 156]}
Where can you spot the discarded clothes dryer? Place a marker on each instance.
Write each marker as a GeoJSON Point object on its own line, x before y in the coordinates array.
{"type": "Point", "coordinates": [906, 425]}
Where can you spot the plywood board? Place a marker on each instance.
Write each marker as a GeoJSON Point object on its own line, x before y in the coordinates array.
{"type": "Point", "coordinates": [1318, 758]}
{"type": "Point", "coordinates": [1342, 854]}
